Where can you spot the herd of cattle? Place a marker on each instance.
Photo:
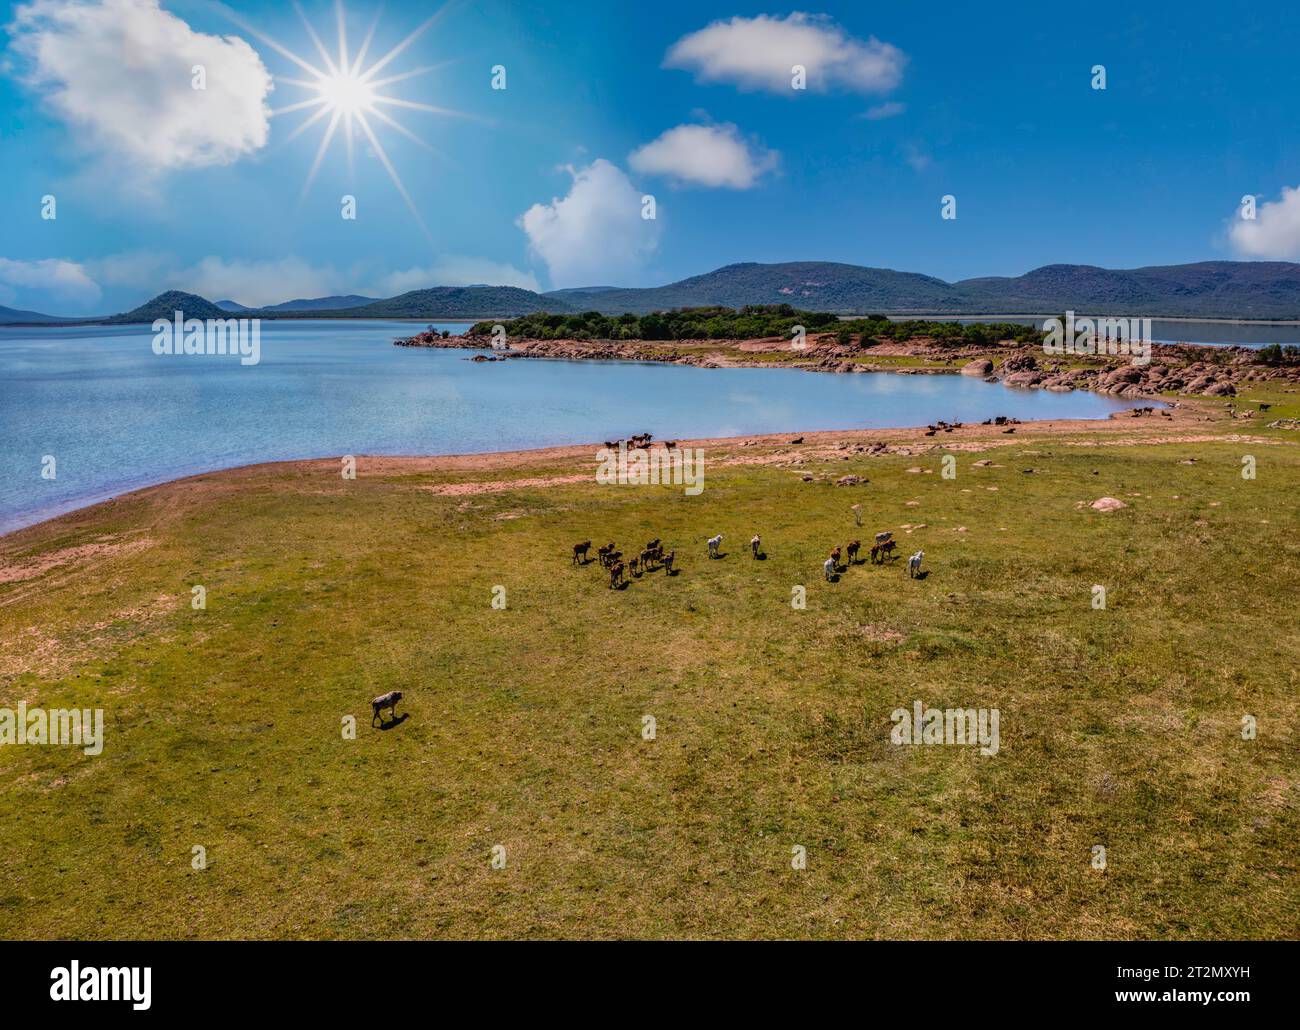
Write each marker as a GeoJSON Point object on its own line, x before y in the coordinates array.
{"type": "Point", "coordinates": [654, 555]}
{"type": "Point", "coordinates": [881, 551]}
{"type": "Point", "coordinates": [611, 558]}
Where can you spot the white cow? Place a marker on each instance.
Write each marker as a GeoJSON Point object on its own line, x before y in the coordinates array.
{"type": "Point", "coordinates": [754, 545]}
{"type": "Point", "coordinates": [714, 543]}
{"type": "Point", "coordinates": [914, 564]}
{"type": "Point", "coordinates": [828, 568]}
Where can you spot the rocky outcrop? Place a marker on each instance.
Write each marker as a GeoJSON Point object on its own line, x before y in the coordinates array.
{"type": "Point", "coordinates": [1183, 369]}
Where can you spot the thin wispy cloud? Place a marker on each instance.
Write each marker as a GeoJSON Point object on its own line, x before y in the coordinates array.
{"type": "Point", "coordinates": [892, 109]}
{"type": "Point", "coordinates": [261, 282]}
{"type": "Point", "coordinates": [457, 270]}
{"type": "Point", "coordinates": [65, 281]}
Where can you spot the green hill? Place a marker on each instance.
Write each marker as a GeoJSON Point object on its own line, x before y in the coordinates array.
{"type": "Point", "coordinates": [454, 302]}
{"type": "Point", "coordinates": [810, 285]}
{"type": "Point", "coordinates": [165, 305]}
{"type": "Point", "coordinates": [1208, 289]}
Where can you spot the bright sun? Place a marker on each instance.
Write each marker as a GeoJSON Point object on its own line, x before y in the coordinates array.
{"type": "Point", "coordinates": [349, 95]}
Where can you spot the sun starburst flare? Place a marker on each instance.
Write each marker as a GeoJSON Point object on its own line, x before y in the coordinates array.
{"type": "Point", "coordinates": [351, 97]}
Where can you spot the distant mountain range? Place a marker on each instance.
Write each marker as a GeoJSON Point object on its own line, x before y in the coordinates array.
{"type": "Point", "coordinates": [455, 302]}
{"type": "Point", "coordinates": [1207, 289]}
{"type": "Point", "coordinates": [352, 300]}
{"type": "Point", "coordinates": [12, 316]}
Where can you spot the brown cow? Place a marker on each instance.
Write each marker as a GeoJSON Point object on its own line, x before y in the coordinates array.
{"type": "Point", "coordinates": [633, 565]}
{"type": "Point", "coordinates": [580, 552]}
{"type": "Point", "coordinates": [668, 560]}
{"type": "Point", "coordinates": [754, 545]}
{"type": "Point", "coordinates": [882, 550]}
{"type": "Point", "coordinates": [852, 550]}
{"type": "Point", "coordinates": [835, 557]}
{"type": "Point", "coordinates": [615, 574]}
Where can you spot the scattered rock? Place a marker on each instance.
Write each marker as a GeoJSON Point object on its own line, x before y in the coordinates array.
{"type": "Point", "coordinates": [1107, 504]}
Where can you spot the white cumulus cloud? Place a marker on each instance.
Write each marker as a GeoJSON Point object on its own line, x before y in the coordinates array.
{"type": "Point", "coordinates": [119, 73]}
{"type": "Point", "coordinates": [1274, 233]}
{"type": "Point", "coordinates": [596, 235]}
{"type": "Point", "coordinates": [707, 155]}
{"type": "Point", "coordinates": [759, 53]}
{"type": "Point", "coordinates": [63, 280]}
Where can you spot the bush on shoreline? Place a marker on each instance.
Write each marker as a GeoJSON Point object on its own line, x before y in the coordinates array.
{"type": "Point", "coordinates": [753, 322]}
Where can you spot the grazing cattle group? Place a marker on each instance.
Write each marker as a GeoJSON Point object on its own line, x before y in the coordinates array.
{"type": "Point", "coordinates": [881, 551]}
{"type": "Point", "coordinates": [611, 558]}
{"type": "Point", "coordinates": [641, 440]}
{"type": "Point", "coordinates": [654, 555]}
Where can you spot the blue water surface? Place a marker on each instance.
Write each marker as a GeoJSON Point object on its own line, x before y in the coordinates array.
{"type": "Point", "coordinates": [115, 416]}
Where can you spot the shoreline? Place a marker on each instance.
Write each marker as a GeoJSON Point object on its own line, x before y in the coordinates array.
{"type": "Point", "coordinates": [897, 316]}
{"type": "Point", "coordinates": [1185, 369]}
{"type": "Point", "coordinates": [769, 447]}
{"type": "Point", "coordinates": [942, 316]}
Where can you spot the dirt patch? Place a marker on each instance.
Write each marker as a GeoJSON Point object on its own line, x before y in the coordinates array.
{"type": "Point", "coordinates": [499, 485]}
{"type": "Point", "coordinates": [30, 568]}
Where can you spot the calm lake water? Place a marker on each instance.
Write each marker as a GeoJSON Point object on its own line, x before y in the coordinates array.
{"type": "Point", "coordinates": [116, 417]}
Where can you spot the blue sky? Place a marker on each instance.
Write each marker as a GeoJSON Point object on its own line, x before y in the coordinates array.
{"type": "Point", "coordinates": [159, 185]}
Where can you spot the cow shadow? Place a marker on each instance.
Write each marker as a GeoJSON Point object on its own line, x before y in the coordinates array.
{"type": "Point", "coordinates": [719, 556]}
{"type": "Point", "coordinates": [761, 556]}
{"type": "Point", "coordinates": [392, 722]}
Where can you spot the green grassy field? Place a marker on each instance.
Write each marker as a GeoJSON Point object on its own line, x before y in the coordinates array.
{"type": "Point", "coordinates": [523, 727]}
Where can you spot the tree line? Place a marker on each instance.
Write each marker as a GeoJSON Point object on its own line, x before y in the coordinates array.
{"type": "Point", "coordinates": [752, 322]}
